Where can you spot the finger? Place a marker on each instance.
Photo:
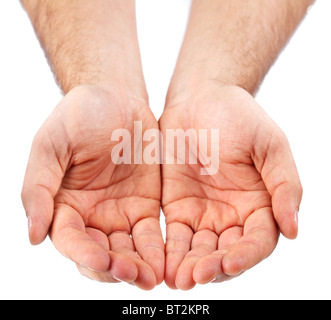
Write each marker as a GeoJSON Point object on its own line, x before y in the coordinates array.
{"type": "Point", "coordinates": [259, 239]}
{"type": "Point", "coordinates": [178, 244]}
{"type": "Point", "coordinates": [69, 237]}
{"type": "Point", "coordinates": [48, 160]}
{"type": "Point", "coordinates": [38, 203]}
{"type": "Point", "coordinates": [105, 277]}
{"type": "Point", "coordinates": [286, 200]}
{"type": "Point", "coordinates": [102, 239]}
{"type": "Point", "coordinates": [122, 243]}
{"type": "Point", "coordinates": [275, 162]}
{"type": "Point", "coordinates": [204, 242]}
{"type": "Point", "coordinates": [148, 241]}
{"type": "Point", "coordinates": [209, 268]}
{"type": "Point", "coordinates": [121, 269]}
{"type": "Point", "coordinates": [98, 236]}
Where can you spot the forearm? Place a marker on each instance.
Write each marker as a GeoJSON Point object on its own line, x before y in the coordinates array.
{"type": "Point", "coordinates": [89, 42]}
{"type": "Point", "coordinates": [235, 42]}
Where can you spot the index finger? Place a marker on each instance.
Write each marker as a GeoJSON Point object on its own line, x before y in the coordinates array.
{"type": "Point", "coordinates": [260, 237]}
{"type": "Point", "coordinates": [70, 238]}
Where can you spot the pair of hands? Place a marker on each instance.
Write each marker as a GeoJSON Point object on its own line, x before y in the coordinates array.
{"type": "Point", "coordinates": [105, 217]}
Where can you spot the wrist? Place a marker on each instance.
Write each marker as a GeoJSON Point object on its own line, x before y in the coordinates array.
{"type": "Point", "coordinates": [121, 96]}
{"type": "Point", "coordinates": [203, 92]}
{"type": "Point", "coordinates": [187, 81]}
{"type": "Point", "coordinates": [188, 88]}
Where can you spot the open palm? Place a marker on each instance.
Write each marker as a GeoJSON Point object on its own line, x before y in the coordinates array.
{"type": "Point", "coordinates": [103, 216]}
{"type": "Point", "coordinates": [220, 225]}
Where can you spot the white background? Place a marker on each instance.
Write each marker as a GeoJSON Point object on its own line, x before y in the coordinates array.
{"type": "Point", "coordinates": [295, 93]}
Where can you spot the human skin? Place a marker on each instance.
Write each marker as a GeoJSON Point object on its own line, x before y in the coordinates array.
{"type": "Point", "coordinates": [220, 226]}
{"type": "Point", "coordinates": [104, 217]}
{"type": "Point", "coordinates": [99, 215]}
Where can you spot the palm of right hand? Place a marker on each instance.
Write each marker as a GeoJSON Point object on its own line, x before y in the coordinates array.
{"type": "Point", "coordinates": [104, 216]}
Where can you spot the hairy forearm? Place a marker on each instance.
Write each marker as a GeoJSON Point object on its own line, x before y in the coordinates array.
{"type": "Point", "coordinates": [89, 42]}
{"type": "Point", "coordinates": [235, 42]}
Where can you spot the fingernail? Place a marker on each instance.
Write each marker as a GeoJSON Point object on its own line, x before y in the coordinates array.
{"type": "Point", "coordinates": [295, 217]}
{"type": "Point", "coordinates": [132, 283]}
{"type": "Point", "coordinates": [91, 269]}
{"type": "Point", "coordinates": [217, 279]}
{"type": "Point", "coordinates": [87, 267]}
{"type": "Point", "coordinates": [29, 223]}
{"type": "Point", "coordinates": [213, 280]}
{"type": "Point", "coordinates": [117, 279]}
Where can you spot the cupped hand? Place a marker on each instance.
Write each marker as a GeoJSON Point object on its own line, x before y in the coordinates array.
{"type": "Point", "coordinates": [102, 215]}
{"type": "Point", "coordinates": [220, 225]}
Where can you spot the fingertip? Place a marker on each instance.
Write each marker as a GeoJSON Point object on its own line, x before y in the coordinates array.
{"type": "Point", "coordinates": [39, 207]}
{"type": "Point", "coordinates": [285, 205]}
{"type": "Point", "coordinates": [170, 280]}
{"type": "Point", "coordinates": [233, 265]}
{"type": "Point", "coordinates": [146, 279]}
{"type": "Point", "coordinates": [37, 230]}
{"type": "Point", "coordinates": [207, 269]}
{"type": "Point", "coordinates": [93, 258]}
{"type": "Point", "coordinates": [171, 284]}
{"type": "Point", "coordinates": [185, 282]}
{"type": "Point", "coordinates": [289, 224]}
{"type": "Point", "coordinates": [158, 268]}
{"type": "Point", "coordinates": [159, 276]}
{"type": "Point", "coordinates": [184, 278]}
{"type": "Point", "coordinates": [296, 222]}
{"type": "Point", "coordinates": [155, 259]}
{"type": "Point", "coordinates": [123, 268]}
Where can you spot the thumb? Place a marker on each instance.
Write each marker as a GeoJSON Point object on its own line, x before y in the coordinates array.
{"type": "Point", "coordinates": [47, 164]}
{"type": "Point", "coordinates": [274, 160]}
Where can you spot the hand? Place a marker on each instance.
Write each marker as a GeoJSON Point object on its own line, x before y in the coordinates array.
{"type": "Point", "coordinates": [104, 217]}
{"type": "Point", "coordinates": [220, 225]}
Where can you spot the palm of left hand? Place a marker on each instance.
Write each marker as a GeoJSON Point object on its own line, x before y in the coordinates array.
{"type": "Point", "coordinates": [221, 225]}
